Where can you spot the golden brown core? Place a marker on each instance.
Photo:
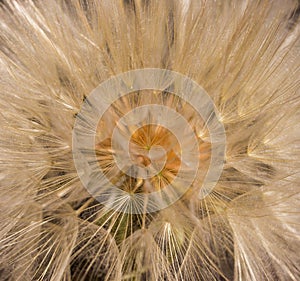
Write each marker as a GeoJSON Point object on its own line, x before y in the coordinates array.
{"type": "Point", "coordinates": [151, 147]}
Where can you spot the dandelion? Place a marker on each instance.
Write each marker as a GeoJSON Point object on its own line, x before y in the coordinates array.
{"type": "Point", "coordinates": [244, 54]}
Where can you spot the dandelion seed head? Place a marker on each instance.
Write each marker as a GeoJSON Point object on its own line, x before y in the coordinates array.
{"type": "Point", "coordinates": [149, 140]}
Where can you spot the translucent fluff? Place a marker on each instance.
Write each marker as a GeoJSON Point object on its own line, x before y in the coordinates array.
{"type": "Point", "coordinates": [245, 54]}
